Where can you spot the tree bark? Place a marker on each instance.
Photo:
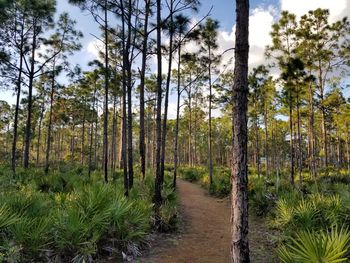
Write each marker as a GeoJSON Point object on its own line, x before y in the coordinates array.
{"type": "Point", "coordinates": [158, 180]}
{"type": "Point", "coordinates": [28, 130]}
{"type": "Point", "coordinates": [49, 126]}
{"type": "Point", "coordinates": [166, 99]}
{"type": "Point", "coordinates": [105, 119]}
{"type": "Point", "coordinates": [210, 131]}
{"type": "Point", "coordinates": [142, 92]}
{"type": "Point", "coordinates": [39, 136]}
{"type": "Point", "coordinates": [239, 169]}
{"type": "Point", "coordinates": [92, 129]}
{"type": "Point", "coordinates": [18, 95]}
{"type": "Point", "coordinates": [176, 150]}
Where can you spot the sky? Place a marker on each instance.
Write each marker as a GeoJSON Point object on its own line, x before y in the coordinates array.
{"type": "Point", "coordinates": [262, 15]}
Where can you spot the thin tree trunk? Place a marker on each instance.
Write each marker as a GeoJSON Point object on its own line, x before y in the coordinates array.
{"type": "Point", "coordinates": [239, 169]}
{"type": "Point", "coordinates": [125, 167]}
{"type": "Point", "coordinates": [105, 119]}
{"type": "Point", "coordinates": [129, 93]}
{"type": "Point", "coordinates": [266, 141]}
{"type": "Point", "coordinates": [83, 138]}
{"type": "Point", "coordinates": [114, 139]}
{"type": "Point", "coordinates": [28, 130]}
{"type": "Point", "coordinates": [48, 144]}
{"type": "Point", "coordinates": [300, 159]}
{"type": "Point", "coordinates": [142, 92]}
{"type": "Point", "coordinates": [210, 132]}
{"type": "Point", "coordinates": [291, 146]}
{"type": "Point", "coordinates": [39, 136]}
{"type": "Point", "coordinates": [166, 99]}
{"type": "Point", "coordinates": [92, 130]}
{"type": "Point", "coordinates": [158, 179]}
{"type": "Point", "coordinates": [348, 150]}
{"type": "Point", "coordinates": [311, 134]}
{"type": "Point", "coordinates": [18, 95]}
{"type": "Point", "coordinates": [176, 150]}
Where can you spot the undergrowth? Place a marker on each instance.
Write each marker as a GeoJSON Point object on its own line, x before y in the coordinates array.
{"type": "Point", "coordinates": [66, 216]}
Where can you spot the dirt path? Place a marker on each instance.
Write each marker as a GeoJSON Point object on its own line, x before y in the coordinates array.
{"type": "Point", "coordinates": [206, 234]}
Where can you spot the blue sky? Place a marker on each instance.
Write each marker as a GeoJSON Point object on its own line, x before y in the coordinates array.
{"type": "Point", "coordinates": [263, 14]}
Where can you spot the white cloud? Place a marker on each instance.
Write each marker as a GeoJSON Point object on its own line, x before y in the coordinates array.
{"type": "Point", "coordinates": [93, 48]}
{"type": "Point", "coordinates": [301, 7]}
{"type": "Point", "coordinates": [261, 21]}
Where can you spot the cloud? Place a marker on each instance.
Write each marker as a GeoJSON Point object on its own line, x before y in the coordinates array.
{"type": "Point", "coordinates": [337, 8]}
{"type": "Point", "coordinates": [93, 48]}
{"type": "Point", "coordinates": [260, 22]}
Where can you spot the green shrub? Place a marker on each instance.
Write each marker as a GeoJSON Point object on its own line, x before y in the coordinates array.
{"type": "Point", "coordinates": [309, 246]}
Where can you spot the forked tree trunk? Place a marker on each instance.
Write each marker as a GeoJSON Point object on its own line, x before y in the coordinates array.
{"type": "Point", "coordinates": [239, 169]}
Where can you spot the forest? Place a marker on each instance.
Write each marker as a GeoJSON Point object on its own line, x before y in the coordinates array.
{"type": "Point", "coordinates": [168, 147]}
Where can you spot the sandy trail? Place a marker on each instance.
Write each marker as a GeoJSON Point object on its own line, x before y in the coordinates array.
{"type": "Point", "coordinates": [206, 234]}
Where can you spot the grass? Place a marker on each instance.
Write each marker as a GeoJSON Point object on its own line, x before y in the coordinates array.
{"type": "Point", "coordinates": [68, 217]}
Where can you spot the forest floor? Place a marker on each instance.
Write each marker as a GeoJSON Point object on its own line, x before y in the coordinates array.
{"type": "Point", "coordinates": [205, 232]}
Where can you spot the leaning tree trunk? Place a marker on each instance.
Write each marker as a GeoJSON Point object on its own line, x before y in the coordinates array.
{"type": "Point", "coordinates": [239, 168]}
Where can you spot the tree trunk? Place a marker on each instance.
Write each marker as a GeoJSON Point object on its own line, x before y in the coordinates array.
{"type": "Point", "coordinates": [83, 138]}
{"type": "Point", "coordinates": [18, 95]}
{"type": "Point", "coordinates": [124, 155]}
{"type": "Point", "coordinates": [166, 99]}
{"type": "Point", "coordinates": [210, 133]}
{"type": "Point", "coordinates": [239, 169]}
{"type": "Point", "coordinates": [39, 136]}
{"type": "Point", "coordinates": [291, 146]}
{"type": "Point", "coordinates": [129, 93]}
{"type": "Point", "coordinates": [92, 130]}
{"type": "Point", "coordinates": [105, 119]}
{"type": "Point", "coordinates": [311, 136]}
{"type": "Point", "coordinates": [267, 164]}
{"type": "Point", "coordinates": [49, 138]}
{"type": "Point", "coordinates": [176, 150]}
{"type": "Point", "coordinates": [158, 179]}
{"type": "Point", "coordinates": [142, 92]}
{"type": "Point", "coordinates": [348, 150]}
{"type": "Point", "coordinates": [300, 158]}
{"type": "Point", "coordinates": [28, 130]}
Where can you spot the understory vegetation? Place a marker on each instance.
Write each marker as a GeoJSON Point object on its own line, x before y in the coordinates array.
{"type": "Point", "coordinates": [66, 216]}
{"type": "Point", "coordinates": [308, 223]}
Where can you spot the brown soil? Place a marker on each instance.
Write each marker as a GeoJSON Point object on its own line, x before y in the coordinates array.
{"type": "Point", "coordinates": [205, 237]}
